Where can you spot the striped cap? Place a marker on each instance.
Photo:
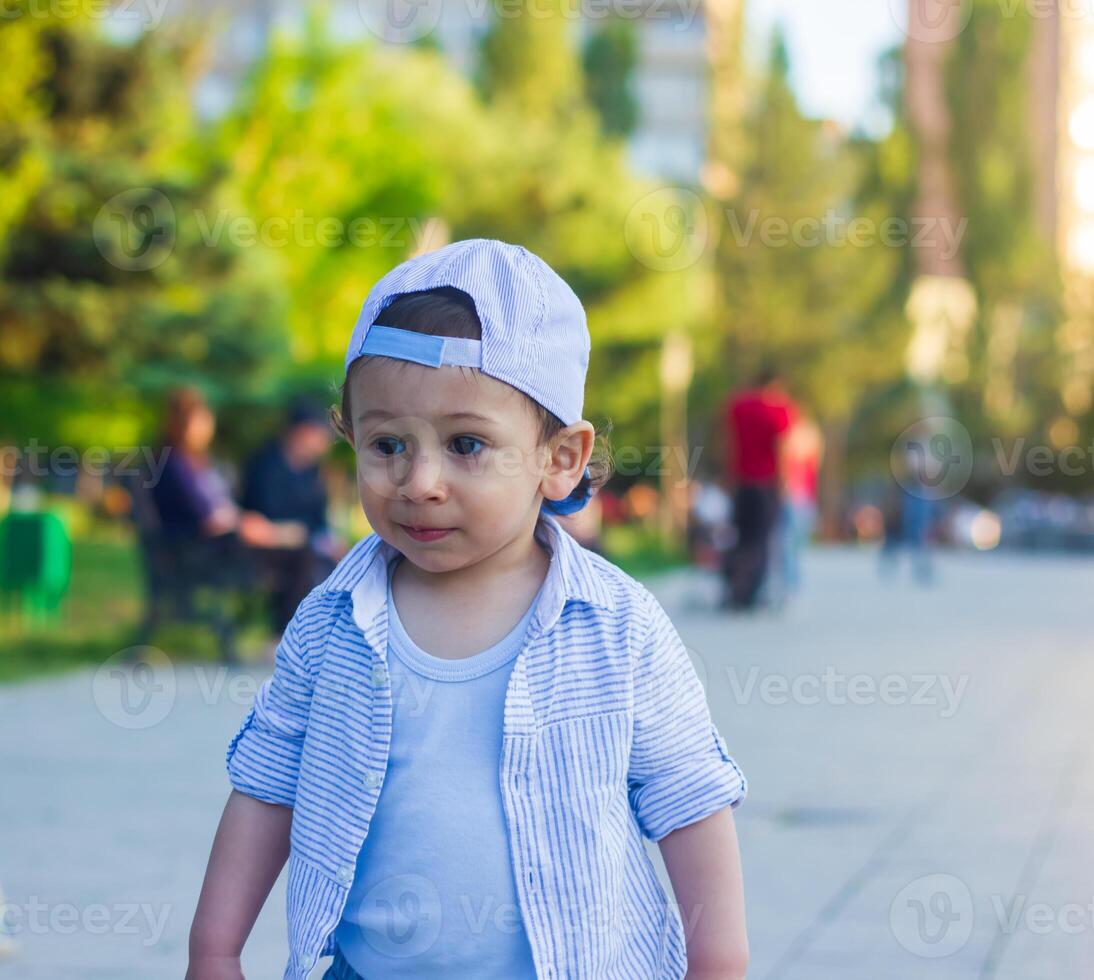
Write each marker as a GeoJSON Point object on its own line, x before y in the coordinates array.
{"type": "Point", "coordinates": [534, 334]}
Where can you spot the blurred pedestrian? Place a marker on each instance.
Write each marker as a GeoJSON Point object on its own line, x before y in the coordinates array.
{"type": "Point", "coordinates": [802, 450]}
{"type": "Point", "coordinates": [754, 420]}
{"type": "Point", "coordinates": [640, 504]}
{"type": "Point", "coordinates": [284, 483]}
{"type": "Point", "coordinates": [909, 515]}
{"type": "Point", "coordinates": [193, 498]}
{"type": "Point", "coordinates": [709, 526]}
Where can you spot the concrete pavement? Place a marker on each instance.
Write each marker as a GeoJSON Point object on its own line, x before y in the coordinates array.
{"type": "Point", "coordinates": [921, 783]}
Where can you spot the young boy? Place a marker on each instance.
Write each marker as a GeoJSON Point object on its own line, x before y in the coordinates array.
{"type": "Point", "coordinates": [474, 721]}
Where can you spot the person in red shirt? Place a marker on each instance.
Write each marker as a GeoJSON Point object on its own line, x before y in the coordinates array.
{"type": "Point", "coordinates": [755, 420]}
{"type": "Point", "coordinates": [802, 451]}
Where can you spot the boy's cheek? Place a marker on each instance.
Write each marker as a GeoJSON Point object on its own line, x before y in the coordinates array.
{"type": "Point", "coordinates": [374, 482]}
{"type": "Point", "coordinates": [512, 462]}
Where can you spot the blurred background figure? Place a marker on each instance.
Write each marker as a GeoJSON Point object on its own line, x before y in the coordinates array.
{"type": "Point", "coordinates": [283, 482]}
{"type": "Point", "coordinates": [195, 538]}
{"type": "Point", "coordinates": [710, 529]}
{"type": "Point", "coordinates": [754, 421]}
{"type": "Point", "coordinates": [909, 514]}
{"type": "Point", "coordinates": [801, 454]}
{"type": "Point", "coordinates": [640, 504]}
{"type": "Point", "coordinates": [193, 497]}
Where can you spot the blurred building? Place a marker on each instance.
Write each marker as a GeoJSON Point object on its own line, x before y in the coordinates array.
{"type": "Point", "coordinates": [1061, 145]}
{"type": "Point", "coordinates": [1063, 79]}
{"type": "Point", "coordinates": [942, 304]}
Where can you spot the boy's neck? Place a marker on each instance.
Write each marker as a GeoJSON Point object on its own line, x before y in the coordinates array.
{"type": "Point", "coordinates": [497, 591]}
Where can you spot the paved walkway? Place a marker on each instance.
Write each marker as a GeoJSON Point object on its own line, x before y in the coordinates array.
{"type": "Point", "coordinates": [920, 763]}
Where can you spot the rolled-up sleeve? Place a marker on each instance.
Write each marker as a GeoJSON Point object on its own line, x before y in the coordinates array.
{"type": "Point", "coordinates": [263, 758]}
{"type": "Point", "coordinates": [680, 769]}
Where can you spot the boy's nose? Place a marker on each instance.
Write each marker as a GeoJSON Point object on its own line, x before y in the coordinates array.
{"type": "Point", "coordinates": [422, 477]}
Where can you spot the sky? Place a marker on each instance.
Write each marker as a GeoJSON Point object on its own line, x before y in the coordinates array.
{"type": "Point", "coordinates": [834, 47]}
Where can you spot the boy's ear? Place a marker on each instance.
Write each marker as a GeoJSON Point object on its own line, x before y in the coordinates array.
{"type": "Point", "coordinates": [567, 458]}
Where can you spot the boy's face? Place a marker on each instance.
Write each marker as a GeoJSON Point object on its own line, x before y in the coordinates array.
{"type": "Point", "coordinates": [420, 465]}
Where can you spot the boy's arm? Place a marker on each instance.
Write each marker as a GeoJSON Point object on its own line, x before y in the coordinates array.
{"type": "Point", "coordinates": [683, 785]}
{"type": "Point", "coordinates": [252, 842]}
{"type": "Point", "coordinates": [704, 865]}
{"type": "Point", "coordinates": [249, 850]}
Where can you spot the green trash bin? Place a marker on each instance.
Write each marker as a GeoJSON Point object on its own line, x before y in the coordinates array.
{"type": "Point", "coordinates": [35, 563]}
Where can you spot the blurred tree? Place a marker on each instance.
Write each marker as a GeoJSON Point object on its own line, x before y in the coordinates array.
{"type": "Point", "coordinates": [806, 278]}
{"type": "Point", "coordinates": [22, 114]}
{"type": "Point", "coordinates": [728, 91]}
{"type": "Point", "coordinates": [797, 281]}
{"type": "Point", "coordinates": [107, 284]}
{"type": "Point", "coordinates": [1010, 383]}
{"type": "Point", "coordinates": [527, 58]}
{"type": "Point", "coordinates": [610, 57]}
{"type": "Point", "coordinates": [337, 156]}
{"type": "Point", "coordinates": [381, 139]}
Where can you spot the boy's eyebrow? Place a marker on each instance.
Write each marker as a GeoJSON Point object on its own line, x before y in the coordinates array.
{"type": "Point", "coordinates": [382, 413]}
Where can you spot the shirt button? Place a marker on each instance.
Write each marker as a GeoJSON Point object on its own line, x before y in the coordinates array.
{"type": "Point", "coordinates": [308, 962]}
{"type": "Point", "coordinates": [379, 676]}
{"type": "Point", "coordinates": [345, 873]}
{"type": "Point", "coordinates": [372, 778]}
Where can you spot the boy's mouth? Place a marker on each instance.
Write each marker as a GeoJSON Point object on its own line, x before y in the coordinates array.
{"type": "Point", "coordinates": [426, 533]}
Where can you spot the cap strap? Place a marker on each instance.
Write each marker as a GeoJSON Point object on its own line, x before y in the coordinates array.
{"type": "Point", "coordinates": [422, 348]}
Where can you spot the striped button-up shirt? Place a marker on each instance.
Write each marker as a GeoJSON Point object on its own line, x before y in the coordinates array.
{"type": "Point", "coordinates": [607, 738]}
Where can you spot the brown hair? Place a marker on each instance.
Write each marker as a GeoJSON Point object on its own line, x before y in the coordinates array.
{"type": "Point", "coordinates": [450, 312]}
{"type": "Point", "coordinates": [182, 404]}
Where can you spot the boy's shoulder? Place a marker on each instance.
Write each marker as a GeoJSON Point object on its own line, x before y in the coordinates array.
{"type": "Point", "coordinates": [631, 598]}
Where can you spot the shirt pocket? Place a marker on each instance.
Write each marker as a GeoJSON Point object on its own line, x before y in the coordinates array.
{"type": "Point", "coordinates": [584, 829]}
{"type": "Point", "coordinates": [582, 769]}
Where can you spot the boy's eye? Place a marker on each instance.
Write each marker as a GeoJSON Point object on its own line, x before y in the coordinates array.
{"type": "Point", "coordinates": [380, 445]}
{"type": "Point", "coordinates": [461, 442]}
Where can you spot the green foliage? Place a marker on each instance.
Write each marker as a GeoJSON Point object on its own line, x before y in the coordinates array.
{"type": "Point", "coordinates": [527, 59]}
{"type": "Point", "coordinates": [1009, 259]}
{"type": "Point", "coordinates": [23, 109]}
{"type": "Point", "coordinates": [108, 284]}
{"type": "Point", "coordinates": [609, 59]}
{"type": "Point", "coordinates": [339, 156]}
{"type": "Point", "coordinates": [794, 287]}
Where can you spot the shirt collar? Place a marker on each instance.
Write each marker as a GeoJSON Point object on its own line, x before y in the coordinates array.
{"type": "Point", "coordinates": [571, 575]}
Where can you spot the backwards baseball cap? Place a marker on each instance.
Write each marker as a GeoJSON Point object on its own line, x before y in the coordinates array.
{"type": "Point", "coordinates": [534, 334]}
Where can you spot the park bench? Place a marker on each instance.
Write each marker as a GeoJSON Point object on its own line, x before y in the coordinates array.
{"type": "Point", "coordinates": [190, 580]}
